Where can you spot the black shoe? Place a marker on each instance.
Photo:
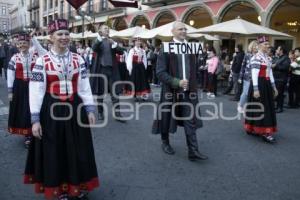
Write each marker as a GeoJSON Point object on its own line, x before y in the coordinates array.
{"type": "Point", "coordinates": [27, 141]}
{"type": "Point", "coordinates": [83, 196]}
{"type": "Point", "coordinates": [100, 116]}
{"type": "Point", "coordinates": [279, 110]}
{"type": "Point", "coordinates": [196, 155]}
{"type": "Point", "coordinates": [269, 139]}
{"type": "Point", "coordinates": [118, 117]}
{"type": "Point", "coordinates": [167, 148]}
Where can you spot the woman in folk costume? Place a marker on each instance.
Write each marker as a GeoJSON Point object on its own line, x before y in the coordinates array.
{"type": "Point", "coordinates": [137, 65]}
{"type": "Point", "coordinates": [18, 73]}
{"type": "Point", "coordinates": [121, 62]}
{"type": "Point", "coordinates": [61, 161]}
{"type": "Point", "coordinates": [261, 95]}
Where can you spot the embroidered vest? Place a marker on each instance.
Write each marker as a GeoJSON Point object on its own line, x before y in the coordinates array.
{"type": "Point", "coordinates": [137, 57]}
{"type": "Point", "coordinates": [265, 68]}
{"type": "Point", "coordinates": [23, 72]}
{"type": "Point", "coordinates": [120, 58]}
{"type": "Point", "coordinates": [61, 82]}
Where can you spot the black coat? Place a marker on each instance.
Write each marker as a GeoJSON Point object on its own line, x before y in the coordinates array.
{"type": "Point", "coordinates": [237, 62]}
{"type": "Point", "coordinates": [281, 69]}
{"type": "Point", "coordinates": [167, 71]}
{"type": "Point", "coordinates": [97, 84]}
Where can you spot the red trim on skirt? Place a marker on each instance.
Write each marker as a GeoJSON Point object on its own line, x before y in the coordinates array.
{"type": "Point", "coordinates": [260, 130]}
{"type": "Point", "coordinates": [71, 190]}
{"type": "Point", "coordinates": [20, 131]}
{"type": "Point", "coordinates": [138, 93]}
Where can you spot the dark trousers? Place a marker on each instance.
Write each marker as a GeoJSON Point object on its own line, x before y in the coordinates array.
{"type": "Point", "coordinates": [229, 86]}
{"type": "Point", "coordinates": [236, 85]}
{"type": "Point", "coordinates": [280, 85]}
{"type": "Point", "coordinates": [107, 72]}
{"type": "Point", "coordinates": [212, 83]}
{"type": "Point", "coordinates": [189, 125]}
{"type": "Point", "coordinates": [1, 65]}
{"type": "Point", "coordinates": [294, 90]}
{"type": "Point", "coordinates": [155, 79]}
{"type": "Point", "coordinates": [203, 79]}
{"type": "Point", "coordinates": [149, 73]}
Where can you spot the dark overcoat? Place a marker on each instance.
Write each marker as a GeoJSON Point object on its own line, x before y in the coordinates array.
{"type": "Point", "coordinates": [97, 84]}
{"type": "Point", "coordinates": [167, 71]}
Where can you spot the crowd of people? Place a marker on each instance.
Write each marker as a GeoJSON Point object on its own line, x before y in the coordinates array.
{"type": "Point", "coordinates": [285, 67]}
{"type": "Point", "coordinates": [55, 80]}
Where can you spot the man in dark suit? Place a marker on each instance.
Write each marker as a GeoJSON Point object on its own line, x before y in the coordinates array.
{"type": "Point", "coordinates": [106, 65]}
{"type": "Point", "coordinates": [281, 72]}
{"type": "Point", "coordinates": [180, 94]}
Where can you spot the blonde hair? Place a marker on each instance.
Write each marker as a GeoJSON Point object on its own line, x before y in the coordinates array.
{"type": "Point", "coordinates": [252, 44]}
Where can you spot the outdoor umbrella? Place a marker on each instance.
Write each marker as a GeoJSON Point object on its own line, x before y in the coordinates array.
{"type": "Point", "coordinates": [164, 32]}
{"type": "Point", "coordinates": [238, 26]}
{"type": "Point", "coordinates": [130, 32]}
{"type": "Point", "coordinates": [91, 35]}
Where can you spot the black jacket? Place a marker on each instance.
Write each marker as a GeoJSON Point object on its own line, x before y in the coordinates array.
{"type": "Point", "coordinates": [97, 83]}
{"type": "Point", "coordinates": [281, 69]}
{"type": "Point", "coordinates": [237, 62]}
{"type": "Point", "coordinates": [167, 71]}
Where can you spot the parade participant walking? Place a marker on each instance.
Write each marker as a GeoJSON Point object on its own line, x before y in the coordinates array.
{"type": "Point", "coordinates": [177, 90]}
{"type": "Point", "coordinates": [61, 160]}
{"type": "Point", "coordinates": [106, 66]}
{"type": "Point", "coordinates": [18, 74]}
{"type": "Point", "coordinates": [245, 74]}
{"type": "Point", "coordinates": [121, 60]}
{"type": "Point", "coordinates": [281, 71]}
{"type": "Point", "coordinates": [260, 116]}
{"type": "Point", "coordinates": [137, 65]}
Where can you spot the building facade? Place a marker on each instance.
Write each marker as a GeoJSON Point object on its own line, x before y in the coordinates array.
{"type": "Point", "coordinates": [5, 22]}
{"type": "Point", "coordinates": [281, 15]}
{"type": "Point", "coordinates": [19, 17]}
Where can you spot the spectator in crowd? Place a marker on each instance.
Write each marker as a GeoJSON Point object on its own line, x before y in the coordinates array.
{"type": "Point", "coordinates": [236, 68]}
{"type": "Point", "coordinates": [150, 61]}
{"type": "Point", "coordinates": [280, 71]}
{"type": "Point", "coordinates": [202, 70]}
{"type": "Point", "coordinates": [294, 84]}
{"type": "Point", "coordinates": [212, 65]}
{"type": "Point", "coordinates": [245, 74]}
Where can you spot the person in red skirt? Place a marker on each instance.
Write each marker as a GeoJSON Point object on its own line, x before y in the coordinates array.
{"type": "Point", "coordinates": [121, 62]}
{"type": "Point", "coordinates": [61, 161]}
{"type": "Point", "coordinates": [137, 64]}
{"type": "Point", "coordinates": [18, 74]}
{"type": "Point", "coordinates": [260, 116]}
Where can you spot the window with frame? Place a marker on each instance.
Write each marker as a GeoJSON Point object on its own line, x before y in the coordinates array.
{"type": "Point", "coordinates": [4, 26]}
{"type": "Point", "coordinates": [51, 4]}
{"type": "Point", "coordinates": [103, 5]}
{"type": "Point", "coordinates": [91, 6]}
{"type": "Point", "coordinates": [3, 10]}
{"type": "Point", "coordinates": [45, 5]}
